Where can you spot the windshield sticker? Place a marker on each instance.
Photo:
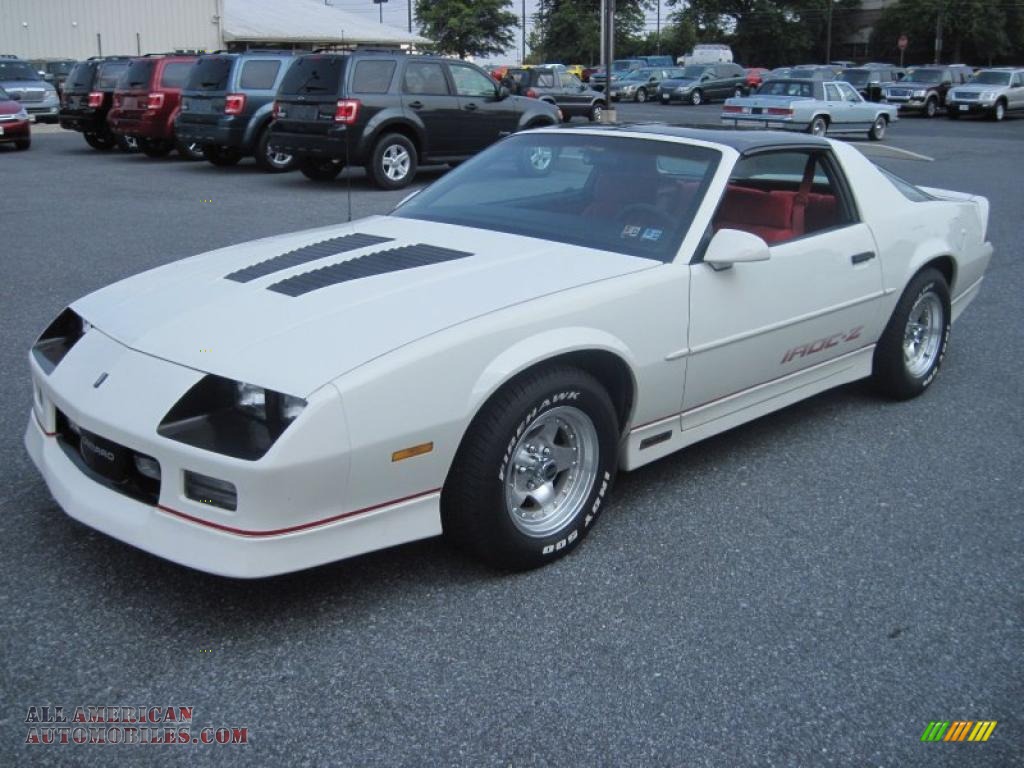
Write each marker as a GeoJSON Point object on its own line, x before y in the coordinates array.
{"type": "Point", "coordinates": [652, 234]}
{"type": "Point", "coordinates": [630, 231]}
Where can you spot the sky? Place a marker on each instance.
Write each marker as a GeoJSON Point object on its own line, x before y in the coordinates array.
{"type": "Point", "coordinates": [396, 14]}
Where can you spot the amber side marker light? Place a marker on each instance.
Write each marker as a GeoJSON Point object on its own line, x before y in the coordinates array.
{"type": "Point", "coordinates": [416, 450]}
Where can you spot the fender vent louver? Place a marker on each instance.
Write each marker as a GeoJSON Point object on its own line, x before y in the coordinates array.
{"type": "Point", "coordinates": [379, 263]}
{"type": "Point", "coordinates": [306, 254]}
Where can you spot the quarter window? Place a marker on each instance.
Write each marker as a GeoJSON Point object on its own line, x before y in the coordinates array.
{"type": "Point", "coordinates": [469, 82]}
{"type": "Point", "coordinates": [259, 75]}
{"type": "Point", "coordinates": [373, 76]}
{"type": "Point", "coordinates": [425, 78]}
{"type": "Point", "coordinates": [781, 196]}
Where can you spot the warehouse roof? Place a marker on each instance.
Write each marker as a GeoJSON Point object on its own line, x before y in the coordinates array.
{"type": "Point", "coordinates": [305, 21]}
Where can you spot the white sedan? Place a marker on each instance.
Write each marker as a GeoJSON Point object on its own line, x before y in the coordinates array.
{"type": "Point", "coordinates": [482, 361]}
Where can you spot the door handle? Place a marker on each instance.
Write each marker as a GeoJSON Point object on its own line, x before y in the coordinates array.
{"type": "Point", "coordinates": [416, 105]}
{"type": "Point", "coordinates": [860, 258]}
{"type": "Point", "coordinates": [471, 106]}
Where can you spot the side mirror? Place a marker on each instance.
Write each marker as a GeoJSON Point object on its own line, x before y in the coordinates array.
{"type": "Point", "coordinates": [503, 93]}
{"type": "Point", "coordinates": [732, 246]}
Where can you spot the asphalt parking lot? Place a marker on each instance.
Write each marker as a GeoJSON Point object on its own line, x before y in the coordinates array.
{"type": "Point", "coordinates": [807, 590]}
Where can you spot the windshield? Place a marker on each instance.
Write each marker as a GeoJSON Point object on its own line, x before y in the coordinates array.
{"type": "Point", "coordinates": [314, 75]}
{"type": "Point", "coordinates": [623, 65]}
{"type": "Point", "coordinates": [639, 74]}
{"type": "Point", "coordinates": [855, 76]}
{"type": "Point", "coordinates": [137, 75]}
{"type": "Point", "coordinates": [693, 72]}
{"type": "Point", "coordinates": [626, 195]}
{"type": "Point", "coordinates": [17, 70]}
{"type": "Point", "coordinates": [209, 73]}
{"type": "Point", "coordinates": [110, 71]}
{"type": "Point", "coordinates": [81, 76]}
{"type": "Point", "coordinates": [991, 78]}
{"type": "Point", "coordinates": [924, 75]}
{"type": "Point", "coordinates": [59, 67]}
{"type": "Point", "coordinates": [800, 88]}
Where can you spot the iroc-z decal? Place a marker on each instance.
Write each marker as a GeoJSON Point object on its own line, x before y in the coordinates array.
{"type": "Point", "coordinates": [813, 347]}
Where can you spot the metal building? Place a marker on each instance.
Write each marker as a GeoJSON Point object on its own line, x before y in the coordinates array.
{"type": "Point", "coordinates": [77, 29]}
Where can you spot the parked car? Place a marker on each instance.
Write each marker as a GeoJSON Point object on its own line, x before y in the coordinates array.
{"type": "Point", "coordinates": [227, 106]}
{"type": "Point", "coordinates": [870, 80]}
{"type": "Point", "coordinates": [699, 83]}
{"type": "Point", "coordinates": [707, 53]}
{"type": "Point", "coordinates": [484, 359]}
{"type": "Point", "coordinates": [809, 71]}
{"type": "Point", "coordinates": [15, 122]}
{"type": "Point", "coordinates": [588, 71]}
{"type": "Point", "coordinates": [24, 83]}
{"type": "Point", "coordinates": [752, 79]}
{"type": "Point", "coordinates": [391, 112]}
{"type": "Point", "coordinates": [815, 106]}
{"type": "Point", "coordinates": [88, 97]}
{"type": "Point", "coordinates": [924, 89]}
{"type": "Point", "coordinates": [620, 67]}
{"type": "Point", "coordinates": [642, 84]}
{"type": "Point", "coordinates": [54, 71]}
{"type": "Point", "coordinates": [146, 103]}
{"type": "Point", "coordinates": [558, 87]}
{"type": "Point", "coordinates": [992, 92]}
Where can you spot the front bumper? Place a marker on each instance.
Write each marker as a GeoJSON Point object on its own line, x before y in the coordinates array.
{"type": "Point", "coordinates": [667, 97]}
{"type": "Point", "coordinates": [291, 511]}
{"type": "Point", "coordinates": [913, 104]}
{"type": "Point", "coordinates": [14, 130]}
{"type": "Point", "coordinates": [971, 107]}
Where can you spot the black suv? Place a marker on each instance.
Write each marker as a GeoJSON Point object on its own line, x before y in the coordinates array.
{"type": "Point", "coordinates": [924, 88]}
{"type": "Point", "coordinates": [227, 106]}
{"type": "Point", "coordinates": [391, 111]}
{"type": "Point", "coordinates": [871, 79]}
{"type": "Point", "coordinates": [87, 97]}
{"type": "Point", "coordinates": [557, 87]}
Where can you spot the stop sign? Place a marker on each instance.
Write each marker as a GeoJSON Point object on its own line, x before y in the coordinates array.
{"type": "Point", "coordinates": [902, 43]}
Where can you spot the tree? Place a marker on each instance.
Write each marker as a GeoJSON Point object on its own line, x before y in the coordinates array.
{"type": "Point", "coordinates": [468, 27]}
{"type": "Point", "coordinates": [570, 30]}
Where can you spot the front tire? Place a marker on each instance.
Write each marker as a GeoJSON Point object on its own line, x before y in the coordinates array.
{"type": "Point", "coordinates": [877, 132]}
{"type": "Point", "coordinates": [533, 469]}
{"type": "Point", "coordinates": [23, 144]}
{"type": "Point", "coordinates": [393, 162]}
{"type": "Point", "coordinates": [931, 107]}
{"type": "Point", "coordinates": [999, 112]}
{"type": "Point", "coordinates": [910, 351]}
{"type": "Point", "coordinates": [641, 95]}
{"type": "Point", "coordinates": [697, 98]}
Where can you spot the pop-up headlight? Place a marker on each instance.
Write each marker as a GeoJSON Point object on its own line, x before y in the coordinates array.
{"type": "Point", "coordinates": [58, 339]}
{"type": "Point", "coordinates": [230, 417]}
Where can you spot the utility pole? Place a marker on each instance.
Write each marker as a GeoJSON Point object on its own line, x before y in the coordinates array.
{"type": "Point", "coordinates": [938, 33]}
{"type": "Point", "coordinates": [657, 34]}
{"type": "Point", "coordinates": [608, 56]}
{"type": "Point", "coordinates": [523, 61]}
{"type": "Point", "coordinates": [410, 16]}
{"type": "Point", "coordinates": [828, 34]}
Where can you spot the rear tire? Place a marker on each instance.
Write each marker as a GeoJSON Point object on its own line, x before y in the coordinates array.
{"type": "Point", "coordinates": [910, 350]}
{"type": "Point", "coordinates": [270, 161]}
{"type": "Point", "coordinates": [595, 113]}
{"type": "Point", "coordinates": [533, 469]}
{"type": "Point", "coordinates": [393, 162]}
{"type": "Point", "coordinates": [190, 150]}
{"type": "Point", "coordinates": [222, 157]}
{"type": "Point", "coordinates": [320, 170]}
{"type": "Point", "coordinates": [101, 141]}
{"type": "Point", "coordinates": [818, 126]}
{"type": "Point", "coordinates": [127, 144]}
{"type": "Point", "coordinates": [156, 148]}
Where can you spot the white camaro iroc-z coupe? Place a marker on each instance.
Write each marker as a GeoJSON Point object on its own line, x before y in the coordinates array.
{"type": "Point", "coordinates": [481, 361]}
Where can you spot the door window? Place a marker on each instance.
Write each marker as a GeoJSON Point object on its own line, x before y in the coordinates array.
{"type": "Point", "coordinates": [570, 82]}
{"type": "Point", "coordinates": [470, 82]}
{"type": "Point", "coordinates": [544, 80]}
{"type": "Point", "coordinates": [781, 196]}
{"type": "Point", "coordinates": [259, 75]}
{"type": "Point", "coordinates": [832, 93]}
{"type": "Point", "coordinates": [425, 78]}
{"type": "Point", "coordinates": [848, 92]}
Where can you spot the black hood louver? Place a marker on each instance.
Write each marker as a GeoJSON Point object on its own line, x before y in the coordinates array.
{"type": "Point", "coordinates": [308, 253]}
{"type": "Point", "coordinates": [378, 263]}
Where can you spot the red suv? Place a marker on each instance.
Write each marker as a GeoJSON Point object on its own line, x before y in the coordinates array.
{"type": "Point", "coordinates": [14, 122]}
{"type": "Point", "coordinates": [146, 102]}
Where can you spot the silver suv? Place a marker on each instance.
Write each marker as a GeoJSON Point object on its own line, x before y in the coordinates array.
{"type": "Point", "coordinates": [993, 92]}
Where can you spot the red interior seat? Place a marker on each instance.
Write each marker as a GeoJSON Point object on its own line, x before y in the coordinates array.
{"type": "Point", "coordinates": [766, 214]}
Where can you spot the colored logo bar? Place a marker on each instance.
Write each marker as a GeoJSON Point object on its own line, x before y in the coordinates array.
{"type": "Point", "coordinates": [959, 730]}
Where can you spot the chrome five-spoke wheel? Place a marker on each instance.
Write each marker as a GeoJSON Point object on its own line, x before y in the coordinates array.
{"type": "Point", "coordinates": [922, 336]}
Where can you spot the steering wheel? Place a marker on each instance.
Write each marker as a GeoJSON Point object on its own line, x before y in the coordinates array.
{"type": "Point", "coordinates": [645, 212]}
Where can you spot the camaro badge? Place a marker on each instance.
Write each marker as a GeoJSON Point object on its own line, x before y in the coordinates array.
{"type": "Point", "coordinates": [100, 380]}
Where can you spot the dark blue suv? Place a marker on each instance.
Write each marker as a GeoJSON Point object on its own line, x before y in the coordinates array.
{"type": "Point", "coordinates": [227, 105]}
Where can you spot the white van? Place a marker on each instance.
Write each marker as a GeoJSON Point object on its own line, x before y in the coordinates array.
{"type": "Point", "coordinates": [707, 53]}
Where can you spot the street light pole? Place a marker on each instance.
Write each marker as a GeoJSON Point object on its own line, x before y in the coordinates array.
{"type": "Point", "coordinates": [523, 60]}
{"type": "Point", "coordinates": [938, 33]}
{"type": "Point", "coordinates": [657, 36]}
{"type": "Point", "coordinates": [608, 14]}
{"type": "Point", "coordinates": [828, 35]}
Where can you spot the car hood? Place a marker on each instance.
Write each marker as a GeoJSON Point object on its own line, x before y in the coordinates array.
{"type": "Point", "coordinates": [911, 84]}
{"type": "Point", "coordinates": [9, 107]}
{"type": "Point", "coordinates": [190, 313]}
{"type": "Point", "coordinates": [975, 88]}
